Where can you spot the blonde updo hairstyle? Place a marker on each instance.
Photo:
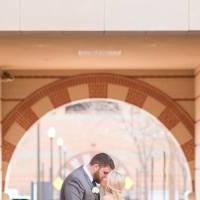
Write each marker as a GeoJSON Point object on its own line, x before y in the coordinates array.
{"type": "Point", "coordinates": [115, 184]}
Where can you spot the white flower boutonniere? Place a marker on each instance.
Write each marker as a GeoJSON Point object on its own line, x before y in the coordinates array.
{"type": "Point", "coordinates": [95, 190]}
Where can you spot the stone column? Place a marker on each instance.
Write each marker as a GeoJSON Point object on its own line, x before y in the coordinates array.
{"type": "Point", "coordinates": [172, 172]}
{"type": "Point", "coordinates": [0, 140]}
{"type": "Point", "coordinates": [197, 133]}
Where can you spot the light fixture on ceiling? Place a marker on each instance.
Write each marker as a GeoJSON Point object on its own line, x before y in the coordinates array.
{"type": "Point", "coordinates": [96, 52]}
{"type": "Point", "coordinates": [7, 77]}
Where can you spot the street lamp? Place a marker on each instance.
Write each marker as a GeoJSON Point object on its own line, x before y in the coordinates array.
{"type": "Point", "coordinates": [64, 161]}
{"type": "Point", "coordinates": [51, 134]}
{"type": "Point", "coordinates": [60, 143]}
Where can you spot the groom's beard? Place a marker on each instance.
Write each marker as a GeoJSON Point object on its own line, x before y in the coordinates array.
{"type": "Point", "coordinates": [97, 177]}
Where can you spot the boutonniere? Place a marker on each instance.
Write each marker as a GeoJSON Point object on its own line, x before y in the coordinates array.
{"type": "Point", "coordinates": [95, 190]}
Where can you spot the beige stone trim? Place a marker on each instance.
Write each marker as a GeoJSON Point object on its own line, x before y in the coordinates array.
{"type": "Point", "coordinates": [42, 106]}
{"type": "Point", "coordinates": [153, 106]}
{"type": "Point", "coordinates": [181, 133]}
{"type": "Point", "coordinates": [79, 92]}
{"type": "Point", "coordinates": [14, 134]}
{"type": "Point", "coordinates": [117, 92]}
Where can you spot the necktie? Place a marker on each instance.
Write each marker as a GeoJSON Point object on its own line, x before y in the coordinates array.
{"type": "Point", "coordinates": [94, 183]}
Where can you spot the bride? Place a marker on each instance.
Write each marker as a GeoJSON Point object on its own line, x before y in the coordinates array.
{"type": "Point", "coordinates": [112, 188]}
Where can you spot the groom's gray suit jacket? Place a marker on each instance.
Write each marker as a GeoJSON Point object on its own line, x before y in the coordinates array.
{"type": "Point", "coordinates": [77, 186]}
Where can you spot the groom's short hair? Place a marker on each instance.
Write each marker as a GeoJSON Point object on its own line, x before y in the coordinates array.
{"type": "Point", "coordinates": [103, 160]}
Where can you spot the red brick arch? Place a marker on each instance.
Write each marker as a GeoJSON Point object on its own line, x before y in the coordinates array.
{"type": "Point", "coordinates": [63, 91]}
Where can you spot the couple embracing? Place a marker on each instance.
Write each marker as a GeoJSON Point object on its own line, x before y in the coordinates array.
{"type": "Point", "coordinates": [96, 181]}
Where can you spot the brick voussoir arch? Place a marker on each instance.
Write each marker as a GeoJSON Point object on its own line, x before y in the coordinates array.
{"type": "Point", "coordinates": [112, 86]}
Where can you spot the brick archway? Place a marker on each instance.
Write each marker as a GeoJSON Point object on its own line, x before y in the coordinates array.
{"type": "Point", "coordinates": [132, 91]}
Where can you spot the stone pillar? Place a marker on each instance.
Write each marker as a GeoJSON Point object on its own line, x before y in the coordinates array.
{"type": "Point", "coordinates": [197, 133]}
{"type": "Point", "coordinates": [0, 140]}
{"type": "Point", "coordinates": [172, 172]}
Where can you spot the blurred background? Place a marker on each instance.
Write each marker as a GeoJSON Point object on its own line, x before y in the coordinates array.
{"type": "Point", "coordinates": [67, 137]}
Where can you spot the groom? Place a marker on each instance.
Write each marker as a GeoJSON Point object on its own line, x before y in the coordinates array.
{"type": "Point", "coordinates": [81, 183]}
